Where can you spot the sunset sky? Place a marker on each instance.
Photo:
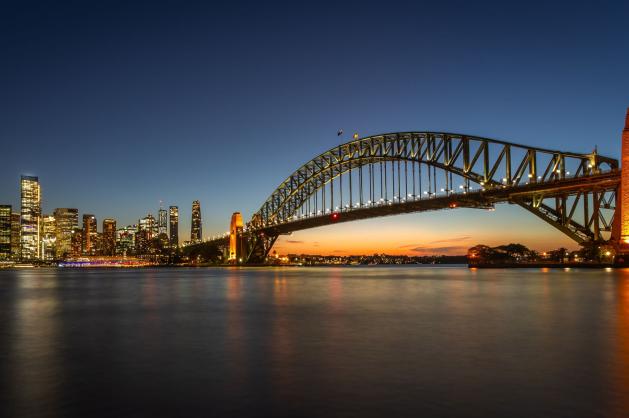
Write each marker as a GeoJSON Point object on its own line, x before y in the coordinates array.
{"type": "Point", "coordinates": [119, 106]}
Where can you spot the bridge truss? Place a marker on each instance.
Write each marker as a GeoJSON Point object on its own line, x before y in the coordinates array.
{"type": "Point", "coordinates": [417, 171]}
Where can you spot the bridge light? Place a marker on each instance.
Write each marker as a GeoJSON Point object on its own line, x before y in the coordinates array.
{"type": "Point", "coordinates": [539, 177]}
{"type": "Point", "coordinates": [567, 172]}
{"type": "Point", "coordinates": [461, 186]}
{"type": "Point", "coordinates": [335, 216]}
{"type": "Point", "coordinates": [530, 175]}
{"type": "Point", "coordinates": [504, 180]}
{"type": "Point", "coordinates": [443, 190]}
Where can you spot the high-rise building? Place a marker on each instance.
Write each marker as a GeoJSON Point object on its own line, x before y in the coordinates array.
{"type": "Point", "coordinates": [149, 225]}
{"type": "Point", "coordinates": [15, 236]}
{"type": "Point", "coordinates": [47, 237]}
{"type": "Point", "coordinates": [5, 232]}
{"type": "Point", "coordinates": [109, 237]}
{"type": "Point", "coordinates": [125, 240]}
{"type": "Point", "coordinates": [174, 227]}
{"type": "Point", "coordinates": [196, 232]}
{"type": "Point", "coordinates": [30, 193]}
{"type": "Point", "coordinates": [90, 234]}
{"type": "Point", "coordinates": [76, 243]}
{"type": "Point", "coordinates": [162, 222]}
{"type": "Point", "coordinates": [67, 220]}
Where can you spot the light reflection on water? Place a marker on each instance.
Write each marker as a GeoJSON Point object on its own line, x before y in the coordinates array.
{"type": "Point", "coordinates": [400, 341]}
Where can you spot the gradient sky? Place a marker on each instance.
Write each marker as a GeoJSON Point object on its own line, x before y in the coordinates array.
{"type": "Point", "coordinates": [118, 105]}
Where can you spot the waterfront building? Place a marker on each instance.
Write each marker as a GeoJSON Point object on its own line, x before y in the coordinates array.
{"type": "Point", "coordinates": [66, 220]}
{"type": "Point", "coordinates": [174, 227]}
{"type": "Point", "coordinates": [30, 197]}
{"type": "Point", "coordinates": [196, 232]}
{"type": "Point", "coordinates": [142, 238]}
{"type": "Point", "coordinates": [5, 232]}
{"type": "Point", "coordinates": [48, 237]}
{"type": "Point", "coordinates": [109, 237]}
{"type": "Point", "coordinates": [90, 234]}
{"type": "Point", "coordinates": [162, 221]}
{"type": "Point", "coordinates": [76, 243]}
{"type": "Point", "coordinates": [15, 236]}
{"type": "Point", "coordinates": [125, 240]}
{"type": "Point", "coordinates": [149, 225]}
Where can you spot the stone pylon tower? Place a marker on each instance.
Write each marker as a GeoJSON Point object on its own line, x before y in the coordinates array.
{"type": "Point", "coordinates": [621, 218]}
{"type": "Point", "coordinates": [235, 238]}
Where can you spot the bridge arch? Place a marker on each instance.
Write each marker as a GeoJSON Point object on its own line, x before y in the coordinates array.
{"type": "Point", "coordinates": [569, 190]}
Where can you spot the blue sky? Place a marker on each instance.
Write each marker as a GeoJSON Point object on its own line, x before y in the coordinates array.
{"type": "Point", "coordinates": [119, 105]}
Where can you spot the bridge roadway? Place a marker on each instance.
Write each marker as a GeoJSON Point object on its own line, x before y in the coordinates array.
{"type": "Point", "coordinates": [482, 199]}
{"type": "Point", "coordinates": [478, 199]}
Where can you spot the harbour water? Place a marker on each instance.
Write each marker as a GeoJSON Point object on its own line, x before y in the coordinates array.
{"type": "Point", "coordinates": [314, 342]}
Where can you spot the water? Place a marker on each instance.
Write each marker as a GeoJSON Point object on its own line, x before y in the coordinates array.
{"type": "Point", "coordinates": [314, 342]}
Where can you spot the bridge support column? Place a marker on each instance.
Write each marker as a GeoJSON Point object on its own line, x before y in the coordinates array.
{"type": "Point", "coordinates": [236, 252]}
{"type": "Point", "coordinates": [620, 228]}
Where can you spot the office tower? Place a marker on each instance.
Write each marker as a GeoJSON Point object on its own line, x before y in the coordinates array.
{"type": "Point", "coordinates": [109, 237]}
{"type": "Point", "coordinates": [67, 220]}
{"type": "Point", "coordinates": [125, 240]}
{"type": "Point", "coordinates": [196, 233]}
{"type": "Point", "coordinates": [90, 234]}
{"type": "Point", "coordinates": [15, 236]}
{"type": "Point", "coordinates": [162, 222]}
{"type": "Point", "coordinates": [174, 227]}
{"type": "Point", "coordinates": [5, 232]}
{"type": "Point", "coordinates": [235, 238]}
{"type": "Point", "coordinates": [76, 243]}
{"type": "Point", "coordinates": [149, 226]}
{"type": "Point", "coordinates": [30, 193]}
{"type": "Point", "coordinates": [47, 237]}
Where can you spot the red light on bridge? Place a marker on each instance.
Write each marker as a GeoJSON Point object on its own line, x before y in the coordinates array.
{"type": "Point", "coordinates": [452, 205]}
{"type": "Point", "coordinates": [335, 216]}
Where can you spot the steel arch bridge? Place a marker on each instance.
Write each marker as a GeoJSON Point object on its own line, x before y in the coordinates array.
{"type": "Point", "coordinates": [407, 172]}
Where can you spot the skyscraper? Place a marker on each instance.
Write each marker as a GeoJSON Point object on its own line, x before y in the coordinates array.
{"type": "Point", "coordinates": [162, 221]}
{"type": "Point", "coordinates": [109, 237]}
{"type": "Point", "coordinates": [5, 232]}
{"type": "Point", "coordinates": [15, 236]}
{"type": "Point", "coordinates": [90, 234]}
{"type": "Point", "coordinates": [76, 243]}
{"type": "Point", "coordinates": [196, 233]}
{"type": "Point", "coordinates": [174, 227]}
{"type": "Point", "coordinates": [48, 237]}
{"type": "Point", "coordinates": [67, 220]}
{"type": "Point", "coordinates": [30, 193]}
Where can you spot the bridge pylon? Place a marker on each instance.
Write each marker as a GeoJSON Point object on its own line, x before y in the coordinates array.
{"type": "Point", "coordinates": [620, 231]}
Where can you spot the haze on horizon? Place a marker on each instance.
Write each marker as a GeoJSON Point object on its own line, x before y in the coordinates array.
{"type": "Point", "coordinates": [116, 106]}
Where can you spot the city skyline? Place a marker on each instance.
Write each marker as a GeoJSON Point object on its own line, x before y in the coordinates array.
{"type": "Point", "coordinates": [195, 120]}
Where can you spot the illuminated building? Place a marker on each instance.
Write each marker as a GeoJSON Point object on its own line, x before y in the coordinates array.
{"type": "Point", "coordinates": [5, 232]}
{"type": "Point", "coordinates": [125, 240]}
{"type": "Point", "coordinates": [67, 220]}
{"type": "Point", "coordinates": [15, 236]}
{"type": "Point", "coordinates": [149, 225]}
{"type": "Point", "coordinates": [108, 245]}
{"type": "Point", "coordinates": [76, 243]}
{"type": "Point", "coordinates": [162, 222]}
{"type": "Point", "coordinates": [30, 194]}
{"type": "Point", "coordinates": [235, 238]}
{"type": "Point", "coordinates": [90, 234]}
{"type": "Point", "coordinates": [48, 237]}
{"type": "Point", "coordinates": [623, 201]}
{"type": "Point", "coordinates": [196, 232]}
{"type": "Point", "coordinates": [174, 226]}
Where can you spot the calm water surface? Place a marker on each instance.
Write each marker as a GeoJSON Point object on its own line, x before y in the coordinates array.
{"type": "Point", "coordinates": [314, 342]}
